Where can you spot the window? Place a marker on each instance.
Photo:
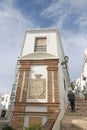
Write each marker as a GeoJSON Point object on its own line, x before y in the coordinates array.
{"type": "Point", "coordinates": [40, 44]}
{"type": "Point", "coordinates": [6, 99]}
{"type": "Point", "coordinates": [64, 84]}
{"type": "Point", "coordinates": [2, 98]}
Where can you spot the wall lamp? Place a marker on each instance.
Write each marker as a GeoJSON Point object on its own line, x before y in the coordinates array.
{"type": "Point", "coordinates": [66, 58]}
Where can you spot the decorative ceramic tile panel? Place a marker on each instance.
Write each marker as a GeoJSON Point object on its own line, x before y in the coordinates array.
{"type": "Point", "coordinates": [37, 88]}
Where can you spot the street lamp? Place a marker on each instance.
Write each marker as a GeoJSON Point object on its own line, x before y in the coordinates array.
{"type": "Point", "coordinates": [66, 58]}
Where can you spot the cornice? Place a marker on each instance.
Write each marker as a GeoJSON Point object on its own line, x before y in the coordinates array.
{"type": "Point", "coordinates": [41, 30]}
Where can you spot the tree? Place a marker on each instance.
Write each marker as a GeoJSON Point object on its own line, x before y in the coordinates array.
{"type": "Point", "coordinates": [72, 85]}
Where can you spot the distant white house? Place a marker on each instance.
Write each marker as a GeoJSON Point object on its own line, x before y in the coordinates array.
{"type": "Point", "coordinates": [42, 81]}
{"type": "Point", "coordinates": [4, 103]}
{"type": "Point", "coordinates": [81, 82]}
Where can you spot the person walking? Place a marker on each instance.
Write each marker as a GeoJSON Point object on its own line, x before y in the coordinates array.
{"type": "Point", "coordinates": [71, 98]}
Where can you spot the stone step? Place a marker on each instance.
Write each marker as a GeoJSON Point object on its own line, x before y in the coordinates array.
{"type": "Point", "coordinates": [83, 108]}
{"type": "Point", "coordinates": [76, 114]}
{"type": "Point", "coordinates": [81, 104]}
{"type": "Point", "coordinates": [70, 127]}
{"type": "Point", "coordinates": [79, 99]}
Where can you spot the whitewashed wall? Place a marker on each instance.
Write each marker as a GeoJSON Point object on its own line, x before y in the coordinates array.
{"type": "Point", "coordinates": [62, 74]}
{"type": "Point", "coordinates": [29, 42]}
{"type": "Point", "coordinates": [62, 98]}
{"type": "Point", "coordinates": [54, 47]}
{"type": "Point", "coordinates": [80, 82]}
{"type": "Point", "coordinates": [6, 101]}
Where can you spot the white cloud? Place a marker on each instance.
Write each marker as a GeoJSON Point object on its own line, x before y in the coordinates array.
{"type": "Point", "coordinates": [82, 21]}
{"type": "Point", "coordinates": [12, 29]}
{"type": "Point", "coordinates": [58, 12]}
{"type": "Point", "coordinates": [61, 11]}
{"type": "Point", "coordinates": [78, 3]}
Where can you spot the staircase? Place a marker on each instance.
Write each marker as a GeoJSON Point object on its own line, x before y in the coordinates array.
{"type": "Point", "coordinates": [75, 120]}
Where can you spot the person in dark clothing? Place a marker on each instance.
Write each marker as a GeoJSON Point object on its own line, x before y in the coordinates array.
{"type": "Point", "coordinates": [71, 98]}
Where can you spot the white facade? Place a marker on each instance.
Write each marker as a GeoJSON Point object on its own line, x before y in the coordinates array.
{"type": "Point", "coordinates": [53, 41]}
{"type": "Point", "coordinates": [84, 71]}
{"type": "Point", "coordinates": [81, 82]}
{"type": "Point", "coordinates": [54, 50]}
{"type": "Point", "coordinates": [4, 102]}
{"type": "Point", "coordinates": [54, 47]}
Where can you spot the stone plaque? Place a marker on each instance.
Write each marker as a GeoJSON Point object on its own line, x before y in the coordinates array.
{"type": "Point", "coordinates": [37, 88]}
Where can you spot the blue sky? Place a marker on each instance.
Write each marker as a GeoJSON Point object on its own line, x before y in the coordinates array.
{"type": "Point", "coordinates": [69, 16]}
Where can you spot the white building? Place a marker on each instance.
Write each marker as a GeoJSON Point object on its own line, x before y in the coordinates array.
{"type": "Point", "coordinates": [13, 93]}
{"type": "Point", "coordinates": [43, 81]}
{"type": "Point", "coordinates": [4, 103]}
{"type": "Point", "coordinates": [84, 70]}
{"type": "Point", "coordinates": [81, 82]}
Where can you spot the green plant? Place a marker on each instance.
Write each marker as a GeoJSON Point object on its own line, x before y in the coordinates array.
{"type": "Point", "coordinates": [72, 85]}
{"type": "Point", "coordinates": [34, 127]}
{"type": "Point", "coordinates": [7, 127]}
{"type": "Point", "coordinates": [85, 94]}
